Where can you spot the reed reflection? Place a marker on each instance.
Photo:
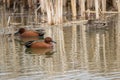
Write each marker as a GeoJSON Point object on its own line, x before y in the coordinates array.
{"type": "Point", "coordinates": [83, 47]}
{"type": "Point", "coordinates": [78, 47]}
{"type": "Point", "coordinates": [101, 47]}
{"type": "Point", "coordinates": [118, 43]}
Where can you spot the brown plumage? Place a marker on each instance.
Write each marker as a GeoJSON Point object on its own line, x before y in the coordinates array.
{"type": "Point", "coordinates": [47, 43]}
{"type": "Point", "coordinates": [29, 33]}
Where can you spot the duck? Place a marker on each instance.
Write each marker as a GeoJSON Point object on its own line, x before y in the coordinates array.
{"type": "Point", "coordinates": [30, 33]}
{"type": "Point", "coordinates": [45, 44]}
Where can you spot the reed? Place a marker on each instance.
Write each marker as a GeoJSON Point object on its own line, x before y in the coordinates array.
{"type": "Point", "coordinates": [49, 10]}
{"type": "Point", "coordinates": [8, 23]}
{"type": "Point", "coordinates": [22, 11]}
{"type": "Point", "coordinates": [43, 7]}
{"type": "Point", "coordinates": [4, 1]}
{"type": "Point", "coordinates": [103, 5]}
{"type": "Point", "coordinates": [90, 4]}
{"type": "Point", "coordinates": [114, 3]}
{"type": "Point", "coordinates": [30, 3]}
{"type": "Point", "coordinates": [97, 8]}
{"type": "Point", "coordinates": [59, 11]}
{"type": "Point", "coordinates": [118, 5]}
{"type": "Point", "coordinates": [82, 8]}
{"type": "Point", "coordinates": [8, 3]}
{"type": "Point", "coordinates": [103, 2]}
{"type": "Point", "coordinates": [73, 6]}
{"type": "Point", "coordinates": [54, 10]}
{"type": "Point", "coordinates": [36, 15]}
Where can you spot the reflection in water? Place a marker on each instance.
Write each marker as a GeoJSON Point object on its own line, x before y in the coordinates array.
{"type": "Point", "coordinates": [81, 53]}
{"type": "Point", "coordinates": [47, 52]}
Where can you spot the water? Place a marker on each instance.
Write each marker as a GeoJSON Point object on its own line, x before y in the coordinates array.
{"type": "Point", "coordinates": [81, 53]}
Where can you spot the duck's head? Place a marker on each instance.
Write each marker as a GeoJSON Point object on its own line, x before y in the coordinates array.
{"type": "Point", "coordinates": [20, 31]}
{"type": "Point", "coordinates": [48, 40]}
{"type": "Point", "coordinates": [28, 44]}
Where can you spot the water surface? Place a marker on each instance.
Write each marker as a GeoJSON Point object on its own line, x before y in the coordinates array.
{"type": "Point", "coordinates": [81, 53]}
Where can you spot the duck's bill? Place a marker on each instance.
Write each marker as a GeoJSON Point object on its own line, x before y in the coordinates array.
{"type": "Point", "coordinates": [53, 41]}
{"type": "Point", "coordinates": [16, 33]}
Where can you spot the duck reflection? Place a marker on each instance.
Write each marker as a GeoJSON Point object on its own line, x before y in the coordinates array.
{"type": "Point", "coordinates": [40, 51]}
{"type": "Point", "coordinates": [40, 47]}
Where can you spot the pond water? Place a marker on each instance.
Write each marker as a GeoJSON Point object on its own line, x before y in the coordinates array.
{"type": "Point", "coordinates": [81, 53]}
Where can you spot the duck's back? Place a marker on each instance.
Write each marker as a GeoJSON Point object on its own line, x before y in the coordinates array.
{"type": "Point", "coordinates": [41, 45]}
{"type": "Point", "coordinates": [29, 34]}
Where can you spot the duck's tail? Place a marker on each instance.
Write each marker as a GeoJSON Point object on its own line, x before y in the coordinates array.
{"type": "Point", "coordinates": [41, 33]}
{"type": "Point", "coordinates": [28, 44]}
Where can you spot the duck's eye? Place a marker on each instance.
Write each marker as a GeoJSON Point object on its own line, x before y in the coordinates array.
{"type": "Point", "coordinates": [29, 44]}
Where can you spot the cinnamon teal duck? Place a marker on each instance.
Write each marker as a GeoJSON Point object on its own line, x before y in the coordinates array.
{"type": "Point", "coordinates": [47, 43]}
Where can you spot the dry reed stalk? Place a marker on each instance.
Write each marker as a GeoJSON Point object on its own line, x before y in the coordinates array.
{"type": "Point", "coordinates": [56, 12]}
{"type": "Point", "coordinates": [22, 11]}
{"type": "Point", "coordinates": [36, 19]}
{"type": "Point", "coordinates": [30, 3]}
{"type": "Point", "coordinates": [14, 5]}
{"type": "Point", "coordinates": [8, 3]}
{"type": "Point", "coordinates": [114, 2]}
{"type": "Point", "coordinates": [52, 8]}
{"type": "Point", "coordinates": [73, 6]}
{"type": "Point", "coordinates": [82, 7]}
{"type": "Point", "coordinates": [118, 5]}
{"type": "Point", "coordinates": [59, 11]}
{"type": "Point", "coordinates": [64, 3]}
{"type": "Point", "coordinates": [103, 5]}
{"type": "Point", "coordinates": [30, 18]}
{"type": "Point", "coordinates": [49, 12]}
{"type": "Point", "coordinates": [8, 23]}
{"type": "Point", "coordinates": [89, 3]}
{"type": "Point", "coordinates": [42, 2]}
{"type": "Point", "coordinates": [64, 9]}
{"type": "Point", "coordinates": [97, 9]}
{"type": "Point", "coordinates": [4, 1]}
{"type": "Point", "coordinates": [35, 4]}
